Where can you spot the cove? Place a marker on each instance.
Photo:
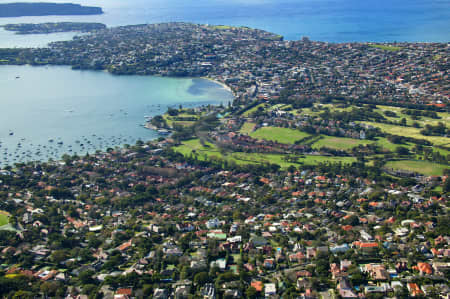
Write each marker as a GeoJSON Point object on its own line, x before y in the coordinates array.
{"type": "Point", "coordinates": [48, 111]}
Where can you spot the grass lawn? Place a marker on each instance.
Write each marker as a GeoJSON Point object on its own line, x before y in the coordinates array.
{"type": "Point", "coordinates": [276, 107]}
{"type": "Point", "coordinates": [251, 110]}
{"type": "Point", "coordinates": [255, 158]}
{"type": "Point", "coordinates": [339, 143]}
{"type": "Point", "coordinates": [168, 119]}
{"type": "Point", "coordinates": [4, 218]}
{"type": "Point", "coordinates": [410, 132]}
{"type": "Point", "coordinates": [223, 27]}
{"type": "Point", "coordinates": [171, 120]}
{"type": "Point", "coordinates": [187, 115]}
{"type": "Point", "coordinates": [386, 144]}
{"type": "Point", "coordinates": [308, 111]}
{"type": "Point", "coordinates": [313, 160]}
{"type": "Point", "coordinates": [236, 257]}
{"type": "Point", "coordinates": [194, 145]}
{"type": "Point", "coordinates": [282, 135]}
{"type": "Point", "coordinates": [438, 189]}
{"type": "Point", "coordinates": [441, 151]}
{"type": "Point", "coordinates": [334, 107]}
{"type": "Point", "coordinates": [247, 128]}
{"type": "Point", "coordinates": [423, 167]}
{"type": "Point", "coordinates": [386, 47]}
{"type": "Point", "coordinates": [183, 123]}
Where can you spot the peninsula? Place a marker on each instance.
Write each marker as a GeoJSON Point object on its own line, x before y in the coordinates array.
{"type": "Point", "coordinates": [45, 28]}
{"type": "Point", "coordinates": [21, 9]}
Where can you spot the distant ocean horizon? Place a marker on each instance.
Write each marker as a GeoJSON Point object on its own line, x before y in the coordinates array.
{"type": "Point", "coordinates": [321, 20]}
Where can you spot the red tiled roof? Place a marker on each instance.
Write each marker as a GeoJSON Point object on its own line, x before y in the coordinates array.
{"type": "Point", "coordinates": [125, 246]}
{"type": "Point", "coordinates": [425, 268]}
{"type": "Point", "coordinates": [258, 285]}
{"type": "Point", "coordinates": [368, 245]}
{"type": "Point", "coordinates": [347, 227]}
{"type": "Point", "coordinates": [127, 292]}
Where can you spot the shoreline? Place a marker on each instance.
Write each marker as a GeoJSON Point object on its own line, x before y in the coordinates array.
{"type": "Point", "coordinates": [31, 147]}
{"type": "Point", "coordinates": [220, 83]}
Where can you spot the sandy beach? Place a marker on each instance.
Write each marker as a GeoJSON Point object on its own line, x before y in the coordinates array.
{"type": "Point", "coordinates": [220, 83]}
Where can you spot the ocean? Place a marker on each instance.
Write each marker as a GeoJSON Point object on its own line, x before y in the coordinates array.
{"type": "Point", "coordinates": [322, 20]}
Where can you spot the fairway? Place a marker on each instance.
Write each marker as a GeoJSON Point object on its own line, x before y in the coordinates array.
{"type": "Point", "coordinates": [340, 143]}
{"type": "Point", "coordinates": [247, 128]}
{"type": "Point", "coordinates": [255, 158]}
{"type": "Point", "coordinates": [444, 117]}
{"type": "Point", "coordinates": [281, 135]}
{"type": "Point", "coordinates": [194, 145]}
{"type": "Point", "coordinates": [210, 151]}
{"type": "Point", "coordinates": [410, 132]}
{"type": "Point", "coordinates": [386, 144]}
{"type": "Point", "coordinates": [423, 167]}
{"type": "Point", "coordinates": [240, 158]}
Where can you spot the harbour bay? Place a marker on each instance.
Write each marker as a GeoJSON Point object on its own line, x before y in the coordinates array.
{"type": "Point", "coordinates": [48, 111]}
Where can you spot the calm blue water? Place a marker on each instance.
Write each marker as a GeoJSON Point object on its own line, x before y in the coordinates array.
{"type": "Point", "coordinates": [86, 110]}
{"type": "Point", "coordinates": [324, 20]}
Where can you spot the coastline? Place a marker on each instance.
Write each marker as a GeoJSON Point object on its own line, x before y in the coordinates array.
{"type": "Point", "coordinates": [131, 127]}
{"type": "Point", "coordinates": [220, 83]}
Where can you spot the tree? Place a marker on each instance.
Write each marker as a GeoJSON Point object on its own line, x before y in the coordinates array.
{"type": "Point", "coordinates": [446, 187]}
{"type": "Point", "coordinates": [237, 215]}
{"type": "Point", "coordinates": [401, 292]}
{"type": "Point", "coordinates": [184, 273]}
{"type": "Point", "coordinates": [251, 292]}
{"type": "Point", "coordinates": [23, 295]}
{"type": "Point", "coordinates": [148, 290]}
{"type": "Point", "coordinates": [401, 150]}
{"type": "Point", "coordinates": [322, 264]}
{"type": "Point", "coordinates": [59, 256]}
{"type": "Point", "coordinates": [51, 288]}
{"type": "Point", "coordinates": [201, 278]}
{"type": "Point", "coordinates": [172, 112]}
{"type": "Point", "coordinates": [85, 277]}
{"type": "Point", "coordinates": [352, 220]}
{"type": "Point", "coordinates": [90, 289]}
{"type": "Point", "coordinates": [356, 277]}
